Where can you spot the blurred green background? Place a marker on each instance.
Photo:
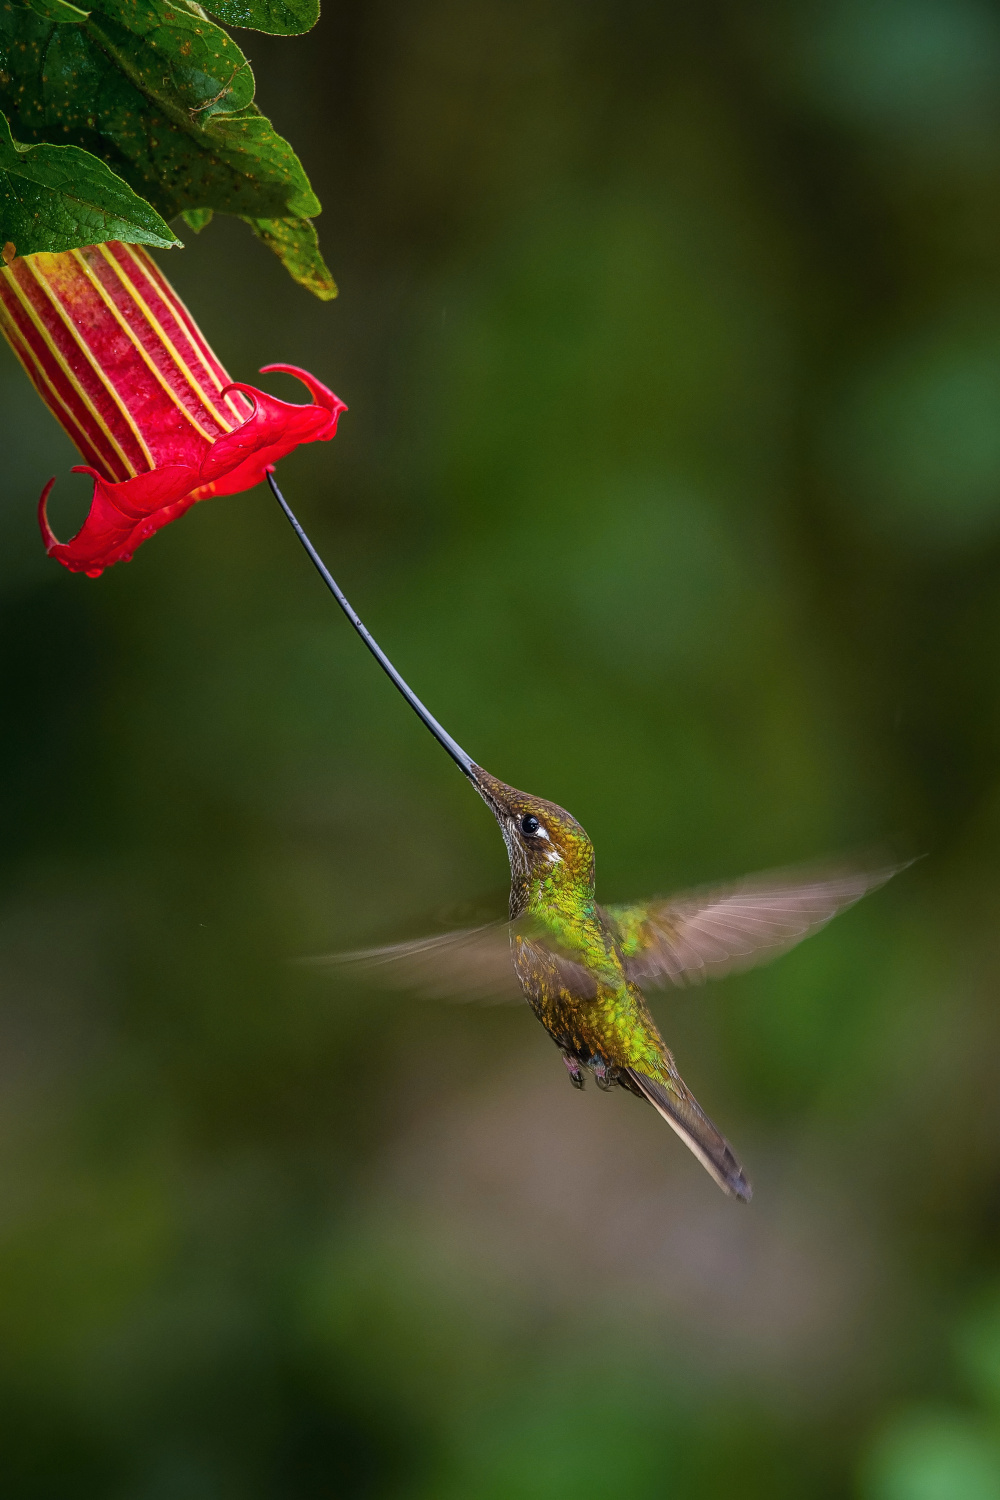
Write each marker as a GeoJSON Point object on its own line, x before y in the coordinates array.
{"type": "Point", "coordinates": [671, 479]}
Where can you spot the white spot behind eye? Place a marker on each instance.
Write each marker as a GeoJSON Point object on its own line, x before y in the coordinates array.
{"type": "Point", "coordinates": [539, 833]}
{"type": "Point", "coordinates": [553, 857]}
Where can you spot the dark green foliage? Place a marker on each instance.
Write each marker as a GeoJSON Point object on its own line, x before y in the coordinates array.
{"type": "Point", "coordinates": [57, 197]}
{"type": "Point", "coordinates": [197, 219]}
{"type": "Point", "coordinates": [164, 97]}
{"type": "Point", "coordinates": [280, 17]}
{"type": "Point", "coordinates": [296, 244]}
{"type": "Point", "coordinates": [665, 321]}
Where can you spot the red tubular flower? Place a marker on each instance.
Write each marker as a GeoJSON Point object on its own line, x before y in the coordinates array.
{"type": "Point", "coordinates": [119, 361]}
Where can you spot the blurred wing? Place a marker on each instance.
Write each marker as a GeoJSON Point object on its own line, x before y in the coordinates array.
{"type": "Point", "coordinates": [689, 938]}
{"type": "Point", "coordinates": [682, 1112]}
{"type": "Point", "coordinates": [475, 963]}
{"type": "Point", "coordinates": [472, 964]}
{"type": "Point", "coordinates": [548, 972]}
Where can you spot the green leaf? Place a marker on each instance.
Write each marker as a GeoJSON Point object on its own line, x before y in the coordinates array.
{"type": "Point", "coordinates": [296, 244]}
{"type": "Point", "coordinates": [279, 17]}
{"type": "Point", "coordinates": [58, 10]}
{"type": "Point", "coordinates": [197, 218]}
{"type": "Point", "coordinates": [59, 197]}
{"type": "Point", "coordinates": [161, 94]}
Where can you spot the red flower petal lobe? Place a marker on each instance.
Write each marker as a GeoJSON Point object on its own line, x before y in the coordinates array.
{"type": "Point", "coordinates": [126, 513]}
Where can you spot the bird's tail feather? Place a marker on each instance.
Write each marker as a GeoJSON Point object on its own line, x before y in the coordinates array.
{"type": "Point", "coordinates": [683, 1113]}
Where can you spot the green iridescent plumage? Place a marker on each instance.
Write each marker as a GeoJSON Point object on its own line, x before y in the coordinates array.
{"type": "Point", "coordinates": [580, 966]}
{"type": "Point", "coordinates": [566, 953]}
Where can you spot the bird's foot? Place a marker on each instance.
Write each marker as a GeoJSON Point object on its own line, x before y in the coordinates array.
{"type": "Point", "coordinates": [576, 1074]}
{"type": "Point", "coordinates": [605, 1073]}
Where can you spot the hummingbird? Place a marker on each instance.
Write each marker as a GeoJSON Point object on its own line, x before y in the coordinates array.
{"type": "Point", "coordinates": [582, 967]}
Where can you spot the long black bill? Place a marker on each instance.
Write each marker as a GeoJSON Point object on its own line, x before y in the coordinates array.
{"type": "Point", "coordinates": [458, 755]}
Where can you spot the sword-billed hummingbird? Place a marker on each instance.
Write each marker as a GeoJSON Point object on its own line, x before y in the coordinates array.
{"type": "Point", "coordinates": [580, 965]}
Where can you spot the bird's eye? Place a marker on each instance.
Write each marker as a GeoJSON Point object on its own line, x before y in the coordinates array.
{"type": "Point", "coordinates": [530, 824]}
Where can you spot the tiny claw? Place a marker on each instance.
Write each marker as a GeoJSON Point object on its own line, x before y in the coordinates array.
{"type": "Point", "coordinates": [576, 1073]}
{"type": "Point", "coordinates": [605, 1074]}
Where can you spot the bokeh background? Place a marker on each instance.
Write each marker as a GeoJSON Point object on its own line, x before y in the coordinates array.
{"type": "Point", "coordinates": [671, 338]}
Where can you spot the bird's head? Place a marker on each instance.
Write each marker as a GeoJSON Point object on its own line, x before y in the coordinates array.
{"type": "Point", "coordinates": [543, 840]}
